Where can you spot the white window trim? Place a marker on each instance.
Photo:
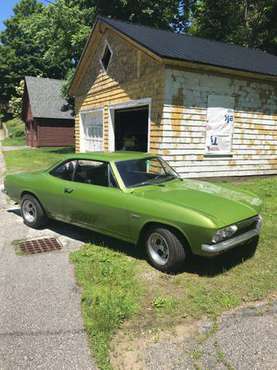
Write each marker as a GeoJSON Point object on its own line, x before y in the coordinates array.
{"type": "Point", "coordinates": [82, 126]}
{"type": "Point", "coordinates": [106, 44]}
{"type": "Point", "coordinates": [129, 104]}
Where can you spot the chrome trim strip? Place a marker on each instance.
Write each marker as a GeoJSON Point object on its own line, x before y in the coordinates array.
{"type": "Point", "coordinates": [231, 243]}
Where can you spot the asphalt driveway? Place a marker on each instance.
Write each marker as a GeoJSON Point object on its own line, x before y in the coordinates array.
{"type": "Point", "coordinates": [40, 316]}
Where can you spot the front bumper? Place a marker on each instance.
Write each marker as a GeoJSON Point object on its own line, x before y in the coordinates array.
{"type": "Point", "coordinates": [213, 249]}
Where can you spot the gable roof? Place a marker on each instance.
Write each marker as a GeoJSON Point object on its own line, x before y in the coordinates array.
{"type": "Point", "coordinates": [167, 44]}
{"type": "Point", "coordinates": [46, 99]}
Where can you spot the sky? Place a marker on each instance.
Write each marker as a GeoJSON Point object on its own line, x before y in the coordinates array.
{"type": "Point", "coordinates": [6, 10]}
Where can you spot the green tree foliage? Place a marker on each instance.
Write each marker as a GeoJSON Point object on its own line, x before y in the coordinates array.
{"type": "Point", "coordinates": [48, 40]}
{"type": "Point", "coordinates": [249, 23]}
{"type": "Point", "coordinates": [15, 103]}
{"type": "Point", "coordinates": [18, 55]}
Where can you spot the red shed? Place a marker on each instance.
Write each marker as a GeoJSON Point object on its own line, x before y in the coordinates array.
{"type": "Point", "coordinates": [49, 120]}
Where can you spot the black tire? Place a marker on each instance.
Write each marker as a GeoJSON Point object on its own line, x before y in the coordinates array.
{"type": "Point", "coordinates": [173, 253]}
{"type": "Point", "coordinates": [32, 212]}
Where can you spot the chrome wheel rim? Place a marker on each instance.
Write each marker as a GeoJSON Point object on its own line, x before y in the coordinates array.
{"type": "Point", "coordinates": [29, 211]}
{"type": "Point", "coordinates": [158, 248]}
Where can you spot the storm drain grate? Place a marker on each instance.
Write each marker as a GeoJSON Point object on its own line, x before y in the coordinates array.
{"type": "Point", "coordinates": [40, 246]}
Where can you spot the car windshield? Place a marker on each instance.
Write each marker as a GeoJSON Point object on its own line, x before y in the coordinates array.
{"type": "Point", "coordinates": [146, 171]}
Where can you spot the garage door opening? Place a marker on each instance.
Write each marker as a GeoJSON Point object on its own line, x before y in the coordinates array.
{"type": "Point", "coordinates": [131, 129]}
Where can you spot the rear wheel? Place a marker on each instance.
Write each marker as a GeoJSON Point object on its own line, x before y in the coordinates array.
{"type": "Point", "coordinates": [164, 248]}
{"type": "Point", "coordinates": [32, 212]}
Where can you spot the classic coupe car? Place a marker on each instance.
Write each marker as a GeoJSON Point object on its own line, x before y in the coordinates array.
{"type": "Point", "coordinates": [139, 198]}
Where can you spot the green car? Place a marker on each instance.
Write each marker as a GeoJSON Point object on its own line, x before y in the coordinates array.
{"type": "Point", "coordinates": [139, 198]}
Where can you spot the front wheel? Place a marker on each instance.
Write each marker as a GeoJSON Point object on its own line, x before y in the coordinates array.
{"type": "Point", "coordinates": [32, 212]}
{"type": "Point", "coordinates": [165, 250]}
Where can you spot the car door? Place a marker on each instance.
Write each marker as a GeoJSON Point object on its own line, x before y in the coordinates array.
{"type": "Point", "coordinates": [58, 181]}
{"type": "Point", "coordinates": [95, 201]}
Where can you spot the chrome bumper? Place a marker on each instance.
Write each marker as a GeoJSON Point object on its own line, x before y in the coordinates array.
{"type": "Point", "coordinates": [231, 243]}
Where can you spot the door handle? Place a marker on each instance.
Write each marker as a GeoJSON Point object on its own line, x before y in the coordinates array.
{"type": "Point", "coordinates": [68, 190]}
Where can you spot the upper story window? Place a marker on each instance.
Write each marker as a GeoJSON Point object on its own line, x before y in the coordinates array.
{"type": "Point", "coordinates": [106, 57]}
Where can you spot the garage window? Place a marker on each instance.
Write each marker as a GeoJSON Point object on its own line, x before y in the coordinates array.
{"type": "Point", "coordinates": [92, 131]}
{"type": "Point", "coordinates": [106, 57]}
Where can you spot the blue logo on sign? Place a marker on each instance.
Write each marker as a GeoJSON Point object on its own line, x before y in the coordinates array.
{"type": "Point", "coordinates": [229, 118]}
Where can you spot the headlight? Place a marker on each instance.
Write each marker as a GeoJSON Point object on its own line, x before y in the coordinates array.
{"type": "Point", "coordinates": [225, 233]}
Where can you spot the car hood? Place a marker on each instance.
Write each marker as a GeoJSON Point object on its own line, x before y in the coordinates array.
{"type": "Point", "coordinates": [222, 205]}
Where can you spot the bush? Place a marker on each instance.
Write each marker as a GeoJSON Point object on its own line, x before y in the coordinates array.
{"type": "Point", "coordinates": [16, 128]}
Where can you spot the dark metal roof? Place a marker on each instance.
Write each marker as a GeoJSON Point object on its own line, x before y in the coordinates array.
{"type": "Point", "coordinates": [46, 99]}
{"type": "Point", "coordinates": [167, 44]}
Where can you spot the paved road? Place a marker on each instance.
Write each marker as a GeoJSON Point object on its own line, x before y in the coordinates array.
{"type": "Point", "coordinates": [12, 148]}
{"type": "Point", "coordinates": [40, 319]}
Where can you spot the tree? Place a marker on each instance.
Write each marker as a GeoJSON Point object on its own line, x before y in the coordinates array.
{"type": "Point", "coordinates": [48, 40]}
{"type": "Point", "coordinates": [15, 103]}
{"type": "Point", "coordinates": [245, 22]}
{"type": "Point", "coordinates": [18, 55]}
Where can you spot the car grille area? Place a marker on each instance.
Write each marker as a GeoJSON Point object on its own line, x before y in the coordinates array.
{"type": "Point", "coordinates": [247, 225]}
{"type": "Point", "coordinates": [39, 246]}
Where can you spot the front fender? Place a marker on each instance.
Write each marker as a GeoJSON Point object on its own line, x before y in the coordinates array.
{"type": "Point", "coordinates": [196, 228]}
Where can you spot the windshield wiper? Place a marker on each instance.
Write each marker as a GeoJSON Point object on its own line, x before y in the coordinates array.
{"type": "Point", "coordinates": [164, 178]}
{"type": "Point", "coordinates": [156, 180]}
{"type": "Point", "coordinates": [142, 184]}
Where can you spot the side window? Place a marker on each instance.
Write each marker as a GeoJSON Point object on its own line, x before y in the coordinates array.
{"type": "Point", "coordinates": [64, 171]}
{"type": "Point", "coordinates": [94, 173]}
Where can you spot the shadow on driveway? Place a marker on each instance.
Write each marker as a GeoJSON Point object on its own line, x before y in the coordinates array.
{"type": "Point", "coordinates": [208, 267]}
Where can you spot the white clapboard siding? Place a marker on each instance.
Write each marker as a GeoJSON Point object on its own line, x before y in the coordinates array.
{"type": "Point", "coordinates": [181, 134]}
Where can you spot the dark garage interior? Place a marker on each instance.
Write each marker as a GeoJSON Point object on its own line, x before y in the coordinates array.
{"type": "Point", "coordinates": [131, 129]}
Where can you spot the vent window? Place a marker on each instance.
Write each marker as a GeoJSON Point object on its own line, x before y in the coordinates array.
{"type": "Point", "coordinates": [106, 58]}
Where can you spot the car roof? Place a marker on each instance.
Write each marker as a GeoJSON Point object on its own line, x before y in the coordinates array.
{"type": "Point", "coordinates": [110, 156]}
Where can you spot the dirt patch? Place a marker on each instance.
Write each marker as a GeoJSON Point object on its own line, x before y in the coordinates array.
{"type": "Point", "coordinates": [133, 350]}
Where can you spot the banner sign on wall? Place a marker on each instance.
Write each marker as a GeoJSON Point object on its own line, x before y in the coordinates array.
{"type": "Point", "coordinates": [220, 124]}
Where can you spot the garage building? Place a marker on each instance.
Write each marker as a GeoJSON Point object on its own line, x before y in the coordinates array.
{"type": "Point", "coordinates": [207, 107]}
{"type": "Point", "coordinates": [49, 121]}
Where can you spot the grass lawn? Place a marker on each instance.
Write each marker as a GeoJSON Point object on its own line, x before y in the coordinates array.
{"type": "Point", "coordinates": [16, 141]}
{"type": "Point", "coordinates": [33, 159]}
{"type": "Point", "coordinates": [16, 130]}
{"type": "Point", "coordinates": [111, 281]}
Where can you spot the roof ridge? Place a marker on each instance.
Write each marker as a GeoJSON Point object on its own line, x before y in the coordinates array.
{"type": "Point", "coordinates": [45, 78]}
